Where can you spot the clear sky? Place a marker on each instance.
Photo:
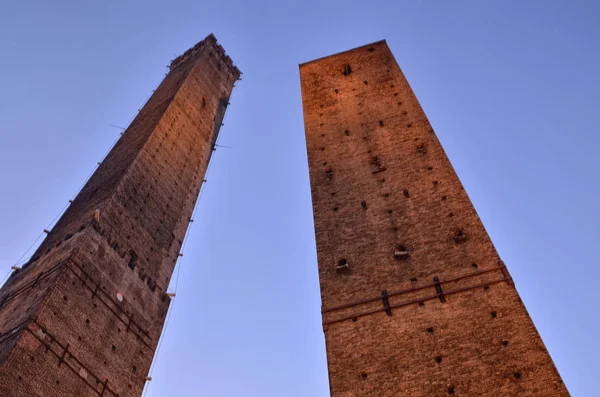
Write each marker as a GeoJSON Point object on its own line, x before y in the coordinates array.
{"type": "Point", "coordinates": [510, 87]}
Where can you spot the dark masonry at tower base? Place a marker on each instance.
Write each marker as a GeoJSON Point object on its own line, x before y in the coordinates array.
{"type": "Point", "coordinates": [83, 317]}
{"type": "Point", "coordinates": [415, 299]}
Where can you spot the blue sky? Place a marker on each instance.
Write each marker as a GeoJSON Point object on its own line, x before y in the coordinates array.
{"type": "Point", "coordinates": [510, 87]}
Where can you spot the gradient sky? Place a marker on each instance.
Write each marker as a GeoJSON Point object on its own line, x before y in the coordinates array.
{"type": "Point", "coordinates": [510, 87]}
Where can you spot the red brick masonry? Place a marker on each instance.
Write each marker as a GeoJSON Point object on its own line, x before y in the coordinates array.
{"type": "Point", "coordinates": [416, 301]}
{"type": "Point", "coordinates": [84, 316]}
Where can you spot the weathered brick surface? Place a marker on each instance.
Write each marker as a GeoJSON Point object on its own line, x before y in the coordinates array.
{"type": "Point", "coordinates": [84, 316]}
{"type": "Point", "coordinates": [382, 184]}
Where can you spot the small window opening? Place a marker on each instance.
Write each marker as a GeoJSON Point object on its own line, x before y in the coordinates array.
{"type": "Point", "coordinates": [363, 204]}
{"type": "Point", "coordinates": [366, 82]}
{"type": "Point", "coordinates": [364, 375]}
{"type": "Point", "coordinates": [504, 343]}
{"type": "Point", "coordinates": [354, 319]}
{"type": "Point", "coordinates": [459, 236]}
{"type": "Point", "coordinates": [115, 245]}
{"type": "Point", "coordinates": [406, 194]}
{"type": "Point", "coordinates": [517, 375]}
{"type": "Point", "coordinates": [438, 359]}
{"type": "Point", "coordinates": [371, 49]}
{"type": "Point", "coordinates": [381, 123]}
{"type": "Point", "coordinates": [451, 391]}
{"type": "Point", "coordinates": [430, 330]}
{"type": "Point", "coordinates": [132, 260]}
{"type": "Point", "coordinates": [203, 102]}
{"type": "Point", "coordinates": [494, 314]}
{"type": "Point", "coordinates": [347, 70]}
{"type": "Point", "coordinates": [413, 280]}
{"type": "Point", "coordinates": [336, 90]}
{"type": "Point", "coordinates": [346, 132]}
{"type": "Point", "coordinates": [474, 265]}
{"type": "Point", "coordinates": [68, 236]}
{"type": "Point", "coordinates": [343, 264]}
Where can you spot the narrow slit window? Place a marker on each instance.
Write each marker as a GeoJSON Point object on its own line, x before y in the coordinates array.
{"type": "Point", "coordinates": [132, 260]}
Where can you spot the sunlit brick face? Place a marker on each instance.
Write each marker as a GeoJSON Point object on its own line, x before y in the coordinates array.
{"type": "Point", "coordinates": [416, 301]}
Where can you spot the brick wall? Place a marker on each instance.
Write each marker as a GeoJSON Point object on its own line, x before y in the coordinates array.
{"type": "Point", "coordinates": [392, 218]}
{"type": "Point", "coordinates": [84, 315]}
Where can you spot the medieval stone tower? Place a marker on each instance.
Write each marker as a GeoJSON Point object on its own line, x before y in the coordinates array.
{"type": "Point", "coordinates": [415, 299]}
{"type": "Point", "coordinates": [84, 315]}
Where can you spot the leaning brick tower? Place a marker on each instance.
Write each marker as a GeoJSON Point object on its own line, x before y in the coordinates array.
{"type": "Point", "coordinates": [83, 317]}
{"type": "Point", "coordinates": [415, 299]}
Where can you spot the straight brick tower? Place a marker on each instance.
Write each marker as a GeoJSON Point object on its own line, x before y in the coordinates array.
{"type": "Point", "coordinates": [415, 299]}
{"type": "Point", "coordinates": [84, 315]}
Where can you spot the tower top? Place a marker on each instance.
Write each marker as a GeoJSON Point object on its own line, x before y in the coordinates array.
{"type": "Point", "coordinates": [343, 52]}
{"type": "Point", "coordinates": [405, 264]}
{"type": "Point", "coordinates": [209, 42]}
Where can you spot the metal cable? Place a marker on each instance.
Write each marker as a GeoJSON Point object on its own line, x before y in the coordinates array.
{"type": "Point", "coordinates": [23, 259]}
{"type": "Point", "coordinates": [179, 265]}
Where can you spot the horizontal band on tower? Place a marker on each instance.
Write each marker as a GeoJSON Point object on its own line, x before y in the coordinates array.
{"type": "Point", "coordinates": [405, 291]}
{"type": "Point", "coordinates": [439, 294]}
